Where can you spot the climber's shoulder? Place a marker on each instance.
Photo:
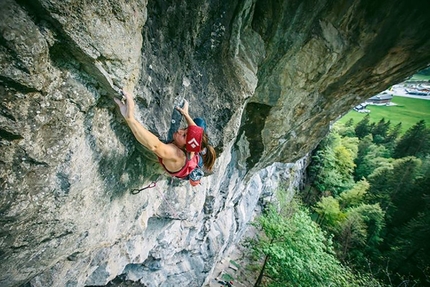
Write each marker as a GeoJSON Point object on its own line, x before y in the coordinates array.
{"type": "Point", "coordinates": [170, 151]}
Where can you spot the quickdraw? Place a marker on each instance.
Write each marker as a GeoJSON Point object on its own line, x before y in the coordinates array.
{"type": "Point", "coordinates": [137, 190]}
{"type": "Point", "coordinates": [151, 185]}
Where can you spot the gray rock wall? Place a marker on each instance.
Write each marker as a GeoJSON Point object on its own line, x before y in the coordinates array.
{"type": "Point", "coordinates": [268, 76]}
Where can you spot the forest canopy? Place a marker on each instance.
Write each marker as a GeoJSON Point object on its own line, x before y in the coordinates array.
{"type": "Point", "coordinates": [368, 187]}
{"type": "Point", "coordinates": [362, 220]}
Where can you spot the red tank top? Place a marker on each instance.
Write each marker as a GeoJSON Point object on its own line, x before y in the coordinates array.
{"type": "Point", "coordinates": [189, 166]}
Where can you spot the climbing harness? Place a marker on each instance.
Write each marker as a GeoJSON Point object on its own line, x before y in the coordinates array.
{"type": "Point", "coordinates": [137, 190]}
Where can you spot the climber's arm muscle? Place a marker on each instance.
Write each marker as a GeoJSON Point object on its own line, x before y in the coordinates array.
{"type": "Point", "coordinates": [150, 141]}
{"type": "Point", "coordinates": [145, 137]}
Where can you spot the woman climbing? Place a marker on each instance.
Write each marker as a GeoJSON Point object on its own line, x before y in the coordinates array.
{"type": "Point", "coordinates": [188, 151]}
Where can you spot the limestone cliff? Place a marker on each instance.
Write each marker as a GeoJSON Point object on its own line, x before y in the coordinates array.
{"type": "Point", "coordinates": [268, 76]}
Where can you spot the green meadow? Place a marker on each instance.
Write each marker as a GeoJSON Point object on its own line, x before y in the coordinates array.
{"type": "Point", "coordinates": [419, 77]}
{"type": "Point", "coordinates": [408, 111]}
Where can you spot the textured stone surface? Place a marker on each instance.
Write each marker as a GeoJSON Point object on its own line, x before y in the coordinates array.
{"type": "Point", "coordinates": [268, 76]}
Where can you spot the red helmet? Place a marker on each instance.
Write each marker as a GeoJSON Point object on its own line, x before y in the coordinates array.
{"type": "Point", "coordinates": [194, 139]}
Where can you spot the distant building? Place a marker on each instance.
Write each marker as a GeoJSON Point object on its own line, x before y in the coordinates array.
{"type": "Point", "coordinates": [380, 99]}
{"type": "Point", "coordinates": [419, 91]}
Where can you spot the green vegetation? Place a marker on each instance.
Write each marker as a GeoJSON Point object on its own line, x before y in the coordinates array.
{"type": "Point", "coordinates": [419, 77]}
{"type": "Point", "coordinates": [227, 277]}
{"type": "Point", "coordinates": [367, 214]}
{"type": "Point", "coordinates": [379, 218]}
{"type": "Point", "coordinates": [423, 75]}
{"type": "Point", "coordinates": [297, 253]}
{"type": "Point", "coordinates": [363, 219]}
{"type": "Point", "coordinates": [407, 111]}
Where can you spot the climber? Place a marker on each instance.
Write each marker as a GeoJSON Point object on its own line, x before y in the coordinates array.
{"type": "Point", "coordinates": [187, 153]}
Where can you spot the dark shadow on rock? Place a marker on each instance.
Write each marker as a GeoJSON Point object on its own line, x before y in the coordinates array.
{"type": "Point", "coordinates": [253, 122]}
{"type": "Point", "coordinates": [139, 164]}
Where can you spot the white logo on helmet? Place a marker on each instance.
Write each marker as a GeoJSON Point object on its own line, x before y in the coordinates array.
{"type": "Point", "coordinates": [193, 143]}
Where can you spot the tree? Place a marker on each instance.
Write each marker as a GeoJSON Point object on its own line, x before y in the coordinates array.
{"type": "Point", "coordinates": [297, 253]}
{"type": "Point", "coordinates": [354, 196]}
{"type": "Point", "coordinates": [360, 233]}
{"type": "Point", "coordinates": [356, 226]}
{"type": "Point", "coordinates": [347, 129]}
{"type": "Point", "coordinates": [363, 149]}
{"type": "Point", "coordinates": [369, 157]}
{"type": "Point", "coordinates": [333, 163]}
{"type": "Point", "coordinates": [351, 234]}
{"type": "Point", "coordinates": [415, 142]}
{"type": "Point", "coordinates": [381, 221]}
{"type": "Point", "coordinates": [363, 127]}
{"type": "Point", "coordinates": [407, 231]}
{"type": "Point", "coordinates": [349, 123]}
{"type": "Point", "coordinates": [410, 249]}
{"type": "Point", "coordinates": [344, 160]}
{"type": "Point", "coordinates": [329, 214]}
{"type": "Point", "coordinates": [391, 138]}
{"type": "Point", "coordinates": [373, 217]}
{"type": "Point", "coordinates": [411, 201]}
{"type": "Point", "coordinates": [380, 131]}
{"type": "Point", "coordinates": [389, 185]}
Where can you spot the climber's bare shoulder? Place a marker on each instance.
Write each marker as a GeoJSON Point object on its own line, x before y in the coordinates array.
{"type": "Point", "coordinates": [173, 157]}
{"type": "Point", "coordinates": [170, 152]}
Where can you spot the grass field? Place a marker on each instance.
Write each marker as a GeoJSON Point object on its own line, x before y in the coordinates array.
{"type": "Point", "coordinates": [420, 77]}
{"type": "Point", "coordinates": [408, 111]}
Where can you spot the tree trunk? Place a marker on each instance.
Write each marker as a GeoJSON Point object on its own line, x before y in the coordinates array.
{"type": "Point", "coordinates": [260, 276]}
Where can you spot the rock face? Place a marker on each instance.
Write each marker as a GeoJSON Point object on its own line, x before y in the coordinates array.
{"type": "Point", "coordinates": [268, 76]}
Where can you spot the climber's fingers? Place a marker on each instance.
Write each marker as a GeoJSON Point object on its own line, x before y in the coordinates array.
{"type": "Point", "coordinates": [184, 109]}
{"type": "Point", "coordinates": [118, 102]}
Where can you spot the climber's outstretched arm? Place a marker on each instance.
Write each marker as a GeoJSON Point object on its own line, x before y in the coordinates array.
{"type": "Point", "coordinates": [184, 112]}
{"type": "Point", "coordinates": [144, 136]}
